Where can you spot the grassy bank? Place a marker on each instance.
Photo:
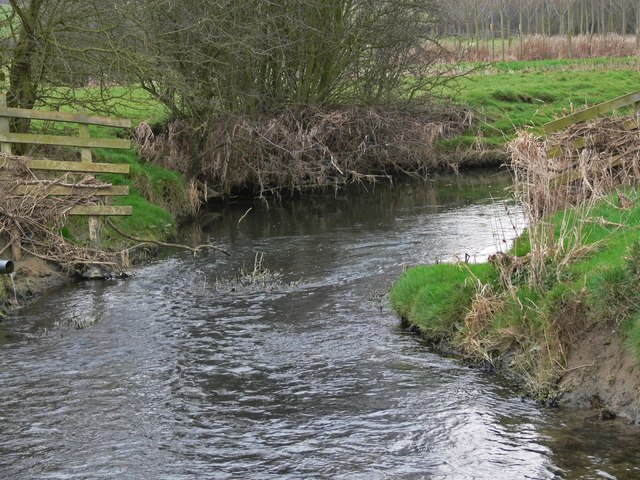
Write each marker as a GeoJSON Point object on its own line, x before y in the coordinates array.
{"type": "Point", "coordinates": [506, 96]}
{"type": "Point", "coordinates": [491, 312]}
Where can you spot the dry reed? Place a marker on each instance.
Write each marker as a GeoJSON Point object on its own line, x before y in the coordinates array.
{"type": "Point", "coordinates": [295, 150]}
{"type": "Point", "coordinates": [571, 181]}
{"type": "Point", "coordinates": [539, 47]}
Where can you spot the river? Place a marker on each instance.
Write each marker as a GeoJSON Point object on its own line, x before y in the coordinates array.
{"type": "Point", "coordinates": [206, 367]}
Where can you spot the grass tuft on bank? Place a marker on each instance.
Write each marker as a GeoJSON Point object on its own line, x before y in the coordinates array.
{"type": "Point", "coordinates": [160, 199]}
{"type": "Point", "coordinates": [435, 297]}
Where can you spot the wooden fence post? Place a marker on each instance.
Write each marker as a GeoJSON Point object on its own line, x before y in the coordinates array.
{"type": "Point", "coordinates": [4, 124]}
{"type": "Point", "coordinates": [16, 244]}
{"type": "Point", "coordinates": [94, 220]}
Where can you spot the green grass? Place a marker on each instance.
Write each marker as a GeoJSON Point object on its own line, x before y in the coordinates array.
{"type": "Point", "coordinates": [564, 65]}
{"type": "Point", "coordinates": [435, 297]}
{"type": "Point", "coordinates": [158, 197]}
{"type": "Point", "coordinates": [513, 95]}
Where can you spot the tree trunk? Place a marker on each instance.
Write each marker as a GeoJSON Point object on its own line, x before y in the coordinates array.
{"type": "Point", "coordinates": [502, 34]}
{"type": "Point", "coordinates": [22, 83]}
{"type": "Point", "coordinates": [638, 23]}
{"type": "Point", "coordinates": [570, 30]}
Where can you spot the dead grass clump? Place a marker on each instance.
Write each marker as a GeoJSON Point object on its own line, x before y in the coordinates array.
{"type": "Point", "coordinates": [539, 366]}
{"type": "Point", "coordinates": [484, 306]}
{"type": "Point", "coordinates": [311, 147]}
{"type": "Point", "coordinates": [569, 319]}
{"type": "Point", "coordinates": [37, 218]}
{"type": "Point", "coordinates": [542, 47]}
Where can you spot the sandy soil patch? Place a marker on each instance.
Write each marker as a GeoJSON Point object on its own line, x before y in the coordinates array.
{"type": "Point", "coordinates": [602, 375]}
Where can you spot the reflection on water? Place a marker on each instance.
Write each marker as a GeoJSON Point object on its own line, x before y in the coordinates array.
{"type": "Point", "coordinates": [186, 374]}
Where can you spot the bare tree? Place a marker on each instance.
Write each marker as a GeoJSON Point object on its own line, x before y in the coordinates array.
{"type": "Point", "coordinates": [201, 57]}
{"type": "Point", "coordinates": [50, 44]}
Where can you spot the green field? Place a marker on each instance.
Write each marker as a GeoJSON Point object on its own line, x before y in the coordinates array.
{"type": "Point", "coordinates": [508, 96]}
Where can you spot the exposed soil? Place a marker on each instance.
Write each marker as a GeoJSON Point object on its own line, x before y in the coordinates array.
{"type": "Point", "coordinates": [32, 277]}
{"type": "Point", "coordinates": [602, 375]}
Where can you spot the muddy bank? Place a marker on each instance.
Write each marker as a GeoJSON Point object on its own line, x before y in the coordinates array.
{"type": "Point", "coordinates": [602, 375]}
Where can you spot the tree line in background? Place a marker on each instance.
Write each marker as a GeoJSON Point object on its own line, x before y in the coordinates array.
{"type": "Point", "coordinates": [260, 56]}
{"type": "Point", "coordinates": [243, 81]}
{"type": "Point", "coordinates": [481, 18]}
{"type": "Point", "coordinates": [478, 23]}
{"type": "Point", "coordinates": [198, 57]}
{"type": "Point", "coordinates": [247, 63]}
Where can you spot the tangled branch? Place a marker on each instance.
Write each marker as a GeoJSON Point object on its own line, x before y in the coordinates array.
{"type": "Point", "coordinates": [311, 147]}
{"type": "Point", "coordinates": [35, 219]}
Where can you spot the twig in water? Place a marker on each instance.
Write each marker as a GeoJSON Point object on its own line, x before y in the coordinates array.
{"type": "Point", "coordinates": [194, 250]}
{"type": "Point", "coordinates": [245, 215]}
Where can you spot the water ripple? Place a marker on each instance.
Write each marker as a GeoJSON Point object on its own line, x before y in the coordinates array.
{"type": "Point", "coordinates": [184, 374]}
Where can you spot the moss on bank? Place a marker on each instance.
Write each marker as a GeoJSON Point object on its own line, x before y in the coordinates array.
{"type": "Point", "coordinates": [488, 312]}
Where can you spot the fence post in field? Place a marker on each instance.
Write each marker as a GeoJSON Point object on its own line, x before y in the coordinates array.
{"type": "Point", "coordinates": [5, 147]}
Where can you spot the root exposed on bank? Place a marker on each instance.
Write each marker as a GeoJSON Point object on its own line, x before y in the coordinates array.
{"type": "Point", "coordinates": [310, 147]}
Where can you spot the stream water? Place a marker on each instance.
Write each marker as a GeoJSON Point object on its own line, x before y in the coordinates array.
{"type": "Point", "coordinates": [207, 367]}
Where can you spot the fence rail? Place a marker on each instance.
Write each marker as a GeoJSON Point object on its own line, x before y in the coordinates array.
{"type": "Point", "coordinates": [625, 101]}
{"type": "Point", "coordinates": [631, 99]}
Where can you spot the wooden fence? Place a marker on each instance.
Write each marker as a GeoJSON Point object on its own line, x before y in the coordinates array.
{"type": "Point", "coordinates": [85, 143]}
{"type": "Point", "coordinates": [625, 101]}
{"type": "Point", "coordinates": [631, 100]}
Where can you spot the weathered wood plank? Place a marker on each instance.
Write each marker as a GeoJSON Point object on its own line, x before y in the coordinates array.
{"type": "Point", "coordinates": [101, 210]}
{"type": "Point", "coordinates": [592, 112]}
{"type": "Point", "coordinates": [78, 167]}
{"type": "Point", "coordinates": [4, 126]}
{"type": "Point", "coordinates": [37, 139]}
{"type": "Point", "coordinates": [63, 190]}
{"type": "Point", "coordinates": [79, 117]}
{"type": "Point", "coordinates": [581, 142]}
{"type": "Point", "coordinates": [85, 153]}
{"type": "Point", "coordinates": [575, 174]}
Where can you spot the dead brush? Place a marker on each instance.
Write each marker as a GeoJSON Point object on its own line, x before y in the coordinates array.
{"type": "Point", "coordinates": [36, 219]}
{"type": "Point", "coordinates": [538, 368]}
{"type": "Point", "coordinates": [484, 306]}
{"type": "Point", "coordinates": [305, 148]}
{"type": "Point", "coordinates": [571, 181]}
